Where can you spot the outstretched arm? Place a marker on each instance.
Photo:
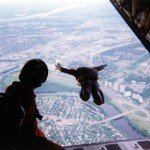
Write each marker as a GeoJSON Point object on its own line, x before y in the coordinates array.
{"type": "Point", "coordinates": [99, 68]}
{"type": "Point", "coordinates": [65, 70]}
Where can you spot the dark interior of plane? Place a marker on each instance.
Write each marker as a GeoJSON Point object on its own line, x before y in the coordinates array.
{"type": "Point", "coordinates": [137, 15]}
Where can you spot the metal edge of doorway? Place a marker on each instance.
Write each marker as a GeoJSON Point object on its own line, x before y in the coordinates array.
{"type": "Point", "coordinates": [137, 31]}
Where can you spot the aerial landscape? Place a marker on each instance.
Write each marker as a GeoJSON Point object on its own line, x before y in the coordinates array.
{"type": "Point", "coordinates": [75, 35]}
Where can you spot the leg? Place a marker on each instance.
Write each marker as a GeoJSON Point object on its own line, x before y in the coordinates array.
{"type": "Point", "coordinates": [6, 147]}
{"type": "Point", "coordinates": [97, 94]}
{"type": "Point", "coordinates": [38, 143]}
{"type": "Point", "coordinates": [85, 90]}
{"type": "Point", "coordinates": [45, 144]}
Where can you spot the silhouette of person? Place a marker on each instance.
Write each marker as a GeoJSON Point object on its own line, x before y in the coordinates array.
{"type": "Point", "coordinates": [87, 78]}
{"type": "Point", "coordinates": [30, 137]}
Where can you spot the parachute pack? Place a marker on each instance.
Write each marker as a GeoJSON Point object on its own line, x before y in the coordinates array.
{"type": "Point", "coordinates": [5, 105]}
{"type": "Point", "coordinates": [9, 107]}
{"type": "Point", "coordinates": [11, 116]}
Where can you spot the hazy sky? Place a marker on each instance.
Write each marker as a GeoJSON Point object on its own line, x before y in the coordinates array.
{"type": "Point", "coordinates": [47, 1]}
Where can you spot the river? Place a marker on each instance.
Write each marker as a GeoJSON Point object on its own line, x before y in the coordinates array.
{"type": "Point", "coordinates": [121, 123]}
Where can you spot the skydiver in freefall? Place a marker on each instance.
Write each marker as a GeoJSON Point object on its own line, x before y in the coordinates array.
{"type": "Point", "coordinates": [87, 78]}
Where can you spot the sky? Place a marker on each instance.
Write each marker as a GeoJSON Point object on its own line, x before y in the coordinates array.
{"type": "Point", "coordinates": [47, 1]}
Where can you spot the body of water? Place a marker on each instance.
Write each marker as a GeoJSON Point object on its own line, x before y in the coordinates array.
{"type": "Point", "coordinates": [121, 123]}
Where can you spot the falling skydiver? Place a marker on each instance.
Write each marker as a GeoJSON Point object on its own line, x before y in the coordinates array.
{"type": "Point", "coordinates": [87, 78]}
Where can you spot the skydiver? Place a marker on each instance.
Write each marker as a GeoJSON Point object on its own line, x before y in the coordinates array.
{"type": "Point", "coordinates": [30, 137]}
{"type": "Point", "coordinates": [87, 78]}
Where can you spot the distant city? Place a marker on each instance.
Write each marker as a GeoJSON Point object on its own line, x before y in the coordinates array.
{"type": "Point", "coordinates": [78, 35]}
